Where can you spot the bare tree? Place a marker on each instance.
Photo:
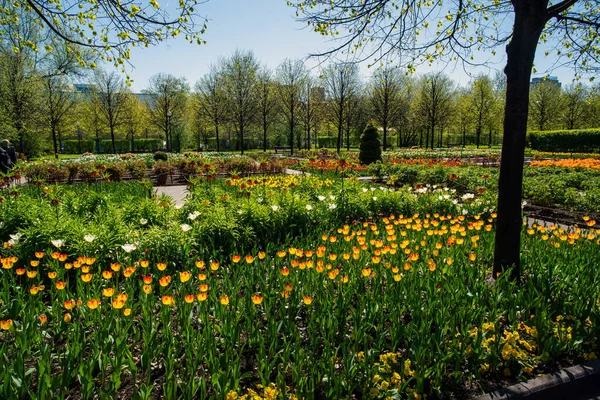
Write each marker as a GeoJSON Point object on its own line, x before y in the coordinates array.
{"type": "Point", "coordinates": [311, 101]}
{"type": "Point", "coordinates": [434, 102]}
{"type": "Point", "coordinates": [167, 110]}
{"type": "Point", "coordinates": [386, 100]}
{"type": "Point", "coordinates": [60, 99]}
{"type": "Point", "coordinates": [241, 86]}
{"type": "Point", "coordinates": [291, 78]}
{"type": "Point", "coordinates": [545, 105]}
{"type": "Point", "coordinates": [574, 105]}
{"type": "Point", "coordinates": [482, 103]}
{"type": "Point", "coordinates": [212, 101]}
{"type": "Point", "coordinates": [341, 81]}
{"type": "Point", "coordinates": [112, 98]}
{"type": "Point", "coordinates": [267, 101]}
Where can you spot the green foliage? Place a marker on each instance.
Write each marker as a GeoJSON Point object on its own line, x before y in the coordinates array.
{"type": "Point", "coordinates": [160, 155]}
{"type": "Point", "coordinates": [370, 146]}
{"type": "Point", "coordinates": [579, 140]}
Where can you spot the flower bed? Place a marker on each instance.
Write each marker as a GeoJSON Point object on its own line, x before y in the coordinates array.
{"type": "Point", "coordinates": [374, 293]}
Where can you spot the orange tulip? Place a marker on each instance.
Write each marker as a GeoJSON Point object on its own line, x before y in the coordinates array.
{"type": "Point", "coordinates": [93, 304]}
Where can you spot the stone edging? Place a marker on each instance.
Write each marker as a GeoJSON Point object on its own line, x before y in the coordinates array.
{"type": "Point", "coordinates": [569, 383]}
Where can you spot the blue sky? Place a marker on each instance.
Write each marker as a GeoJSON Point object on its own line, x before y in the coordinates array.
{"type": "Point", "coordinates": [268, 28]}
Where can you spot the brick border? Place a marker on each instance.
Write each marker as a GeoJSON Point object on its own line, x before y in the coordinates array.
{"type": "Point", "coordinates": [569, 383]}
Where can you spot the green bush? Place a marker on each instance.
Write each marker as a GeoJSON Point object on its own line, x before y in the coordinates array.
{"type": "Point", "coordinates": [580, 140]}
{"type": "Point", "coordinates": [160, 155]}
{"type": "Point", "coordinates": [370, 146]}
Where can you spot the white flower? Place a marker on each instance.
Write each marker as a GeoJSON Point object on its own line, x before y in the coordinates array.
{"type": "Point", "coordinates": [143, 221]}
{"type": "Point", "coordinates": [185, 227]}
{"type": "Point", "coordinates": [373, 189]}
{"type": "Point", "coordinates": [321, 198]}
{"type": "Point", "coordinates": [274, 207]}
{"type": "Point", "coordinates": [260, 199]}
{"type": "Point", "coordinates": [455, 201]}
{"type": "Point", "coordinates": [332, 206]}
{"type": "Point", "coordinates": [365, 190]}
{"type": "Point", "coordinates": [374, 198]}
{"type": "Point", "coordinates": [128, 247]}
{"type": "Point", "coordinates": [332, 197]}
{"type": "Point", "coordinates": [468, 196]}
{"type": "Point", "coordinates": [178, 206]}
{"type": "Point", "coordinates": [194, 215]}
{"type": "Point", "coordinates": [465, 211]}
{"type": "Point", "coordinates": [13, 242]}
{"type": "Point", "coordinates": [89, 238]}
{"type": "Point", "coordinates": [309, 207]}
{"type": "Point", "coordinates": [58, 243]}
{"type": "Point", "coordinates": [524, 203]}
{"type": "Point", "coordinates": [16, 236]}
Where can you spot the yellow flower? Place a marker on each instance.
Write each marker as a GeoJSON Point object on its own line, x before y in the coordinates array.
{"type": "Point", "coordinates": [231, 395]}
{"type": "Point", "coordinates": [236, 259]}
{"type": "Point", "coordinates": [185, 276]}
{"type": "Point", "coordinates": [168, 301]}
{"type": "Point", "coordinates": [6, 324]}
{"type": "Point", "coordinates": [199, 264]}
{"type": "Point", "coordinates": [307, 300]}
{"type": "Point", "coordinates": [202, 296]}
{"type": "Point", "coordinates": [257, 299]}
{"type": "Point", "coordinates": [164, 281]}
{"type": "Point", "coordinates": [189, 298]}
{"type": "Point", "coordinates": [224, 300]}
{"type": "Point", "coordinates": [93, 304]}
{"type": "Point", "coordinates": [108, 292]}
{"type": "Point", "coordinates": [86, 277]}
{"type": "Point", "coordinates": [69, 304]}
{"type": "Point", "coordinates": [67, 317]}
{"type": "Point", "coordinates": [161, 266]}
{"type": "Point", "coordinates": [249, 259]}
{"type": "Point", "coordinates": [147, 289]}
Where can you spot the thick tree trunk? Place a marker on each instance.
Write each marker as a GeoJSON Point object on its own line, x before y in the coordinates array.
{"type": "Point", "coordinates": [529, 23]}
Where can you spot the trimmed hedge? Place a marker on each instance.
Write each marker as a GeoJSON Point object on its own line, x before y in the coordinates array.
{"type": "Point", "coordinates": [579, 140]}
{"type": "Point", "coordinates": [71, 146]}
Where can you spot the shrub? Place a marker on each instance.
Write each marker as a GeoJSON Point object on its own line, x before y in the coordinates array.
{"type": "Point", "coordinates": [115, 171]}
{"type": "Point", "coordinates": [370, 146]}
{"type": "Point", "coordinates": [160, 155]}
{"type": "Point", "coordinates": [579, 140]}
{"type": "Point", "coordinates": [137, 169]}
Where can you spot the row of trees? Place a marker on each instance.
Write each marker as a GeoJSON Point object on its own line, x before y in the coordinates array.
{"type": "Point", "coordinates": [252, 106]}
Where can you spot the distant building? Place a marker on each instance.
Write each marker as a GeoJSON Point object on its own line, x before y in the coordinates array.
{"type": "Point", "coordinates": [550, 79]}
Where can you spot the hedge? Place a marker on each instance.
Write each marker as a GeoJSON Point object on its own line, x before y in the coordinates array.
{"type": "Point", "coordinates": [72, 146]}
{"type": "Point", "coordinates": [579, 140]}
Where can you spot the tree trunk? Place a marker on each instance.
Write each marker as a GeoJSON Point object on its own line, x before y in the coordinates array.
{"type": "Point", "coordinates": [53, 128]}
{"type": "Point", "coordinates": [529, 23]}
{"type": "Point", "coordinates": [292, 121]}
{"type": "Point", "coordinates": [112, 138]}
{"type": "Point", "coordinates": [384, 135]}
{"type": "Point", "coordinates": [217, 133]}
{"type": "Point", "coordinates": [265, 135]}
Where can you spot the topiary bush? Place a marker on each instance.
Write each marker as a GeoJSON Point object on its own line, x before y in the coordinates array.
{"type": "Point", "coordinates": [160, 155]}
{"type": "Point", "coordinates": [370, 145]}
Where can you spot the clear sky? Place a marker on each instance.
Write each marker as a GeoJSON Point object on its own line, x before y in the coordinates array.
{"type": "Point", "coordinates": [268, 28]}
